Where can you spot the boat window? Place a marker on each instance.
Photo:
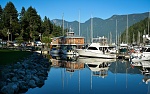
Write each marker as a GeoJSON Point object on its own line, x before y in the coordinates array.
{"type": "Point", "coordinates": [92, 65]}
{"type": "Point", "coordinates": [148, 50]}
{"type": "Point", "coordinates": [92, 48]}
{"type": "Point", "coordinates": [103, 48]}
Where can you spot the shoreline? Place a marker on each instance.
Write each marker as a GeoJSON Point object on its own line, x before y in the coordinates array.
{"type": "Point", "coordinates": [29, 73]}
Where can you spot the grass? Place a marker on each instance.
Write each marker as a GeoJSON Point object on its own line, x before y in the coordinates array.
{"type": "Point", "coordinates": [12, 56]}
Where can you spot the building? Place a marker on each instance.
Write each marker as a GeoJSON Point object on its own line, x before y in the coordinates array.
{"type": "Point", "coordinates": [70, 40]}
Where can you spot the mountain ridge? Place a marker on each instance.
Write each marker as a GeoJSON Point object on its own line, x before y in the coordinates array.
{"type": "Point", "coordinates": [103, 27]}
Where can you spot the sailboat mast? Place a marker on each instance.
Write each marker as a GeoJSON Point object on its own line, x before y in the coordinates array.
{"type": "Point", "coordinates": [63, 24]}
{"type": "Point", "coordinates": [139, 37]}
{"type": "Point", "coordinates": [110, 38]}
{"type": "Point", "coordinates": [116, 31]}
{"type": "Point", "coordinates": [79, 22]}
{"type": "Point", "coordinates": [87, 36]}
{"type": "Point", "coordinates": [91, 29]}
{"type": "Point", "coordinates": [127, 30]}
{"type": "Point", "coordinates": [133, 38]}
{"type": "Point", "coordinates": [148, 22]}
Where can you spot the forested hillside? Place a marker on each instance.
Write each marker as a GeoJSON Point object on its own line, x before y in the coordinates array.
{"type": "Point", "coordinates": [136, 32]}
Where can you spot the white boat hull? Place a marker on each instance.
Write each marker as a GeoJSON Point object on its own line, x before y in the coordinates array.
{"type": "Point", "coordinates": [70, 52]}
{"type": "Point", "coordinates": [145, 56]}
{"type": "Point", "coordinates": [96, 53]}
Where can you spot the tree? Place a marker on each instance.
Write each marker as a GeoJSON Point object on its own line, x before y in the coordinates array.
{"type": "Point", "coordinates": [1, 21]}
{"type": "Point", "coordinates": [33, 22]}
{"type": "Point", "coordinates": [23, 24]}
{"type": "Point", "coordinates": [136, 29]}
{"type": "Point", "coordinates": [10, 19]}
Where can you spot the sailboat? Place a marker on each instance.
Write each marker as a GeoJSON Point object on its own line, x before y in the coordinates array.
{"type": "Point", "coordinates": [123, 48]}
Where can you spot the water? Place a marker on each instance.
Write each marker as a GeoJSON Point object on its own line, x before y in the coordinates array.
{"type": "Point", "coordinates": [82, 77]}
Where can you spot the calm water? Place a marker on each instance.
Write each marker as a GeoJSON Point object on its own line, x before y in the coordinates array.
{"type": "Point", "coordinates": [93, 76]}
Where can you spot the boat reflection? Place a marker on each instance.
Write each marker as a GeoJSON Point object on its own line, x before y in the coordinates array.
{"type": "Point", "coordinates": [145, 70]}
{"type": "Point", "coordinates": [144, 67]}
{"type": "Point", "coordinates": [66, 61]}
{"type": "Point", "coordinates": [98, 67]}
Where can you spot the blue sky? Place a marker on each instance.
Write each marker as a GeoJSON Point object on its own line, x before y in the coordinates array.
{"type": "Point", "coordinates": [54, 9]}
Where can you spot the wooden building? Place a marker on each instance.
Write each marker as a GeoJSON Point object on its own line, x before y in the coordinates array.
{"type": "Point", "coordinates": [70, 40]}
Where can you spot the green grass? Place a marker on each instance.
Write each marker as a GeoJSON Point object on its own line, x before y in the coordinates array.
{"type": "Point", "coordinates": [12, 56]}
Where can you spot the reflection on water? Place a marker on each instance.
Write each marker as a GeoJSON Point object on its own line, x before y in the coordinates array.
{"type": "Point", "coordinates": [76, 75]}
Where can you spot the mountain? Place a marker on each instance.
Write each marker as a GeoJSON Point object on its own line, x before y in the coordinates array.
{"type": "Point", "coordinates": [103, 27]}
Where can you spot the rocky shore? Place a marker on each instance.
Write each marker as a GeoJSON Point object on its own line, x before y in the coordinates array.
{"type": "Point", "coordinates": [29, 73]}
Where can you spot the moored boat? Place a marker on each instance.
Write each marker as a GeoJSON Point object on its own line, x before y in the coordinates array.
{"type": "Point", "coordinates": [98, 48]}
{"type": "Point", "coordinates": [144, 55]}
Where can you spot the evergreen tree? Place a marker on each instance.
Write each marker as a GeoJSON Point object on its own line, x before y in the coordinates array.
{"type": "Point", "coordinates": [33, 22]}
{"type": "Point", "coordinates": [10, 18]}
{"type": "Point", "coordinates": [1, 21]}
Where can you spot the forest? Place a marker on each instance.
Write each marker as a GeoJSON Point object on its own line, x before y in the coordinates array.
{"type": "Point", "coordinates": [136, 32]}
{"type": "Point", "coordinates": [26, 25]}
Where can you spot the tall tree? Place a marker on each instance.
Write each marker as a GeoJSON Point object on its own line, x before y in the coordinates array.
{"type": "Point", "coordinates": [10, 18]}
{"type": "Point", "coordinates": [45, 26]}
{"type": "Point", "coordinates": [1, 21]}
{"type": "Point", "coordinates": [34, 23]}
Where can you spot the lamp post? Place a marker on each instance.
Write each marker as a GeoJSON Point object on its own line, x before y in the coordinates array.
{"type": "Point", "coordinates": [8, 37]}
{"type": "Point", "coordinates": [40, 41]}
{"type": "Point", "coordinates": [8, 34]}
{"type": "Point", "coordinates": [40, 36]}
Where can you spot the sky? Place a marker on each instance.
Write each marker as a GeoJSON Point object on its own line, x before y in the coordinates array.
{"type": "Point", "coordinates": [81, 10]}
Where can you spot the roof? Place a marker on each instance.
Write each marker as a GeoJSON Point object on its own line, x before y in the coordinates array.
{"type": "Point", "coordinates": [75, 36]}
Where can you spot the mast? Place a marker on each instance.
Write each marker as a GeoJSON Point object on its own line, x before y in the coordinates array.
{"type": "Point", "coordinates": [139, 37]}
{"type": "Point", "coordinates": [91, 29]}
{"type": "Point", "coordinates": [118, 39]}
{"type": "Point", "coordinates": [148, 22]}
{"type": "Point", "coordinates": [133, 39]}
{"type": "Point", "coordinates": [116, 31]}
{"type": "Point", "coordinates": [87, 36]}
{"type": "Point", "coordinates": [127, 30]}
{"type": "Point", "coordinates": [79, 22]}
{"type": "Point", "coordinates": [110, 38]}
{"type": "Point", "coordinates": [63, 25]}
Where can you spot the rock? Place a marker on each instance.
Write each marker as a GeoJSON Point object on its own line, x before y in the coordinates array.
{"type": "Point", "coordinates": [21, 72]}
{"type": "Point", "coordinates": [11, 88]}
{"type": "Point", "coordinates": [23, 85]}
{"type": "Point", "coordinates": [14, 79]}
{"type": "Point", "coordinates": [29, 73]}
{"type": "Point", "coordinates": [32, 84]}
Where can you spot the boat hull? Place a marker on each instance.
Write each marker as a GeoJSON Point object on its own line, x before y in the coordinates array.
{"type": "Point", "coordinates": [96, 53]}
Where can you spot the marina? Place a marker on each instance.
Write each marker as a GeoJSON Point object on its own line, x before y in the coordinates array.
{"type": "Point", "coordinates": [46, 50]}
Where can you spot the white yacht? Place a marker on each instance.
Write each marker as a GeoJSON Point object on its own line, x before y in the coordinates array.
{"type": "Point", "coordinates": [144, 55]}
{"type": "Point", "coordinates": [98, 48]}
